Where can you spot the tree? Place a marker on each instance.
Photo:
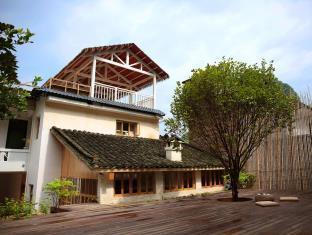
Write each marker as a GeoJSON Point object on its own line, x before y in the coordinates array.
{"type": "Point", "coordinates": [229, 108]}
{"type": "Point", "coordinates": [13, 98]}
{"type": "Point", "coordinates": [60, 189]}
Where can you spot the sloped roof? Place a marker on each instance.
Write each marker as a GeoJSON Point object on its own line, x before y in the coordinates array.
{"type": "Point", "coordinates": [87, 53]}
{"type": "Point", "coordinates": [95, 101]}
{"type": "Point", "coordinates": [101, 151]}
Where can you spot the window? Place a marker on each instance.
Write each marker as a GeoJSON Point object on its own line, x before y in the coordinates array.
{"type": "Point", "coordinates": [134, 183]}
{"type": "Point", "coordinates": [127, 128]}
{"type": "Point", "coordinates": [17, 132]}
{"type": "Point", "coordinates": [179, 180]}
{"type": "Point", "coordinates": [211, 178]}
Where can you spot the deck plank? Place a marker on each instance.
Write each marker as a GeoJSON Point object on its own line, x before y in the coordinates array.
{"type": "Point", "coordinates": [196, 215]}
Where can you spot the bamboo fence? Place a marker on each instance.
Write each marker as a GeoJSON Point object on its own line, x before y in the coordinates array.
{"type": "Point", "coordinates": [284, 159]}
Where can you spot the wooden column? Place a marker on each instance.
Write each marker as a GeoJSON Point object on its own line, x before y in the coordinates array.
{"type": "Point", "coordinates": [93, 77]}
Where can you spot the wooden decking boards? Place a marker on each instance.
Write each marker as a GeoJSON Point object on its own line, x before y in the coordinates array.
{"type": "Point", "coordinates": [192, 215]}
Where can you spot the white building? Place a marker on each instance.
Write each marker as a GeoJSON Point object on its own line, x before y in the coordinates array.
{"type": "Point", "coordinates": [90, 123]}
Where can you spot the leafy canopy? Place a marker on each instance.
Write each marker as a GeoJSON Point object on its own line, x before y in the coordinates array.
{"type": "Point", "coordinates": [229, 107]}
{"type": "Point", "coordinates": [12, 96]}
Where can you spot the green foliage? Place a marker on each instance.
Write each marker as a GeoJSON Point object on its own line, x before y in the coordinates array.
{"type": "Point", "coordinates": [16, 208]}
{"type": "Point", "coordinates": [60, 189]}
{"type": "Point", "coordinates": [44, 207]}
{"type": "Point", "coordinates": [229, 107]}
{"type": "Point", "coordinates": [230, 84]}
{"type": "Point", "coordinates": [12, 97]}
{"type": "Point", "coordinates": [246, 180]}
{"type": "Point", "coordinates": [176, 128]}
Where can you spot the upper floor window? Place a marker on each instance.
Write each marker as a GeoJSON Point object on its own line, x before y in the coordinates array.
{"type": "Point", "coordinates": [17, 134]}
{"type": "Point", "coordinates": [127, 128]}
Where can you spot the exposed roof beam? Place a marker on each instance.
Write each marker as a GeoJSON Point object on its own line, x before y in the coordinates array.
{"type": "Point", "coordinates": [81, 67]}
{"type": "Point", "coordinates": [123, 66]}
{"type": "Point", "coordinates": [113, 82]}
{"type": "Point", "coordinates": [139, 59]}
{"type": "Point", "coordinates": [119, 74]}
{"type": "Point", "coordinates": [116, 56]}
{"type": "Point", "coordinates": [84, 75]}
{"type": "Point", "coordinates": [143, 81]}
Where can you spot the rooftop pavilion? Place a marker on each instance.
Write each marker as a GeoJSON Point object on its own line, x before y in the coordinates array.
{"type": "Point", "coordinates": [116, 73]}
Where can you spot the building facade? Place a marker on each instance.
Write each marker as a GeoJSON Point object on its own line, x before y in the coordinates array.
{"type": "Point", "coordinates": [92, 124]}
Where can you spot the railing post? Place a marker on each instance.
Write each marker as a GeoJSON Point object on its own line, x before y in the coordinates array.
{"type": "Point", "coordinates": [116, 90]}
{"type": "Point", "coordinates": [93, 77]}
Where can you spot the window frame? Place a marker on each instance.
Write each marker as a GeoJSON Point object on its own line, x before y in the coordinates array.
{"type": "Point", "coordinates": [175, 181]}
{"type": "Point", "coordinates": [149, 178]}
{"type": "Point", "coordinates": [209, 178]}
{"type": "Point", "coordinates": [130, 124]}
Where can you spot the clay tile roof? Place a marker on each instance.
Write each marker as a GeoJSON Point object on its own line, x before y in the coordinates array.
{"type": "Point", "coordinates": [101, 151]}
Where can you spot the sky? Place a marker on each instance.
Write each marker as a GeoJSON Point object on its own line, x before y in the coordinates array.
{"type": "Point", "coordinates": [178, 35]}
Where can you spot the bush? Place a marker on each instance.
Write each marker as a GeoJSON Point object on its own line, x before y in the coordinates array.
{"type": "Point", "coordinates": [246, 180]}
{"type": "Point", "coordinates": [16, 208]}
{"type": "Point", "coordinates": [44, 207]}
{"type": "Point", "coordinates": [60, 189]}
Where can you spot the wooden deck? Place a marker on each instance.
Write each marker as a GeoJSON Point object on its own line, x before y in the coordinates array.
{"type": "Point", "coordinates": [197, 215]}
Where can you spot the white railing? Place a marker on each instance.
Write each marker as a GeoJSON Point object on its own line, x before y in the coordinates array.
{"type": "Point", "coordinates": [102, 91]}
{"type": "Point", "coordinates": [13, 160]}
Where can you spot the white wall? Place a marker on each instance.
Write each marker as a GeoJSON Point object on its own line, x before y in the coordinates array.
{"type": "Point", "coordinates": [106, 190]}
{"type": "Point", "coordinates": [74, 115]}
{"type": "Point", "coordinates": [46, 152]}
{"type": "Point", "coordinates": [36, 162]}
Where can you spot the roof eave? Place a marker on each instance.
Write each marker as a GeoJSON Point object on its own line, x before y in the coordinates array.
{"type": "Point", "coordinates": [93, 101]}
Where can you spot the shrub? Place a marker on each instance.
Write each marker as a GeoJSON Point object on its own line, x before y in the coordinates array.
{"type": "Point", "coordinates": [60, 189]}
{"type": "Point", "coordinates": [246, 180]}
{"type": "Point", "coordinates": [44, 207]}
{"type": "Point", "coordinates": [16, 208]}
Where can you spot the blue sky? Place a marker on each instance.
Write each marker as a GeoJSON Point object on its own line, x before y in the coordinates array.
{"type": "Point", "coordinates": [178, 35]}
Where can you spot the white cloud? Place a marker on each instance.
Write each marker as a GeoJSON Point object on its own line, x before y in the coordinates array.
{"type": "Point", "coordinates": [181, 35]}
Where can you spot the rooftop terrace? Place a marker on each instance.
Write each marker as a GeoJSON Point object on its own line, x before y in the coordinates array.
{"type": "Point", "coordinates": [116, 73]}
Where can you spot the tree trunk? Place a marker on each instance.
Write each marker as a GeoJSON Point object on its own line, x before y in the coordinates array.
{"type": "Point", "coordinates": [234, 184]}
